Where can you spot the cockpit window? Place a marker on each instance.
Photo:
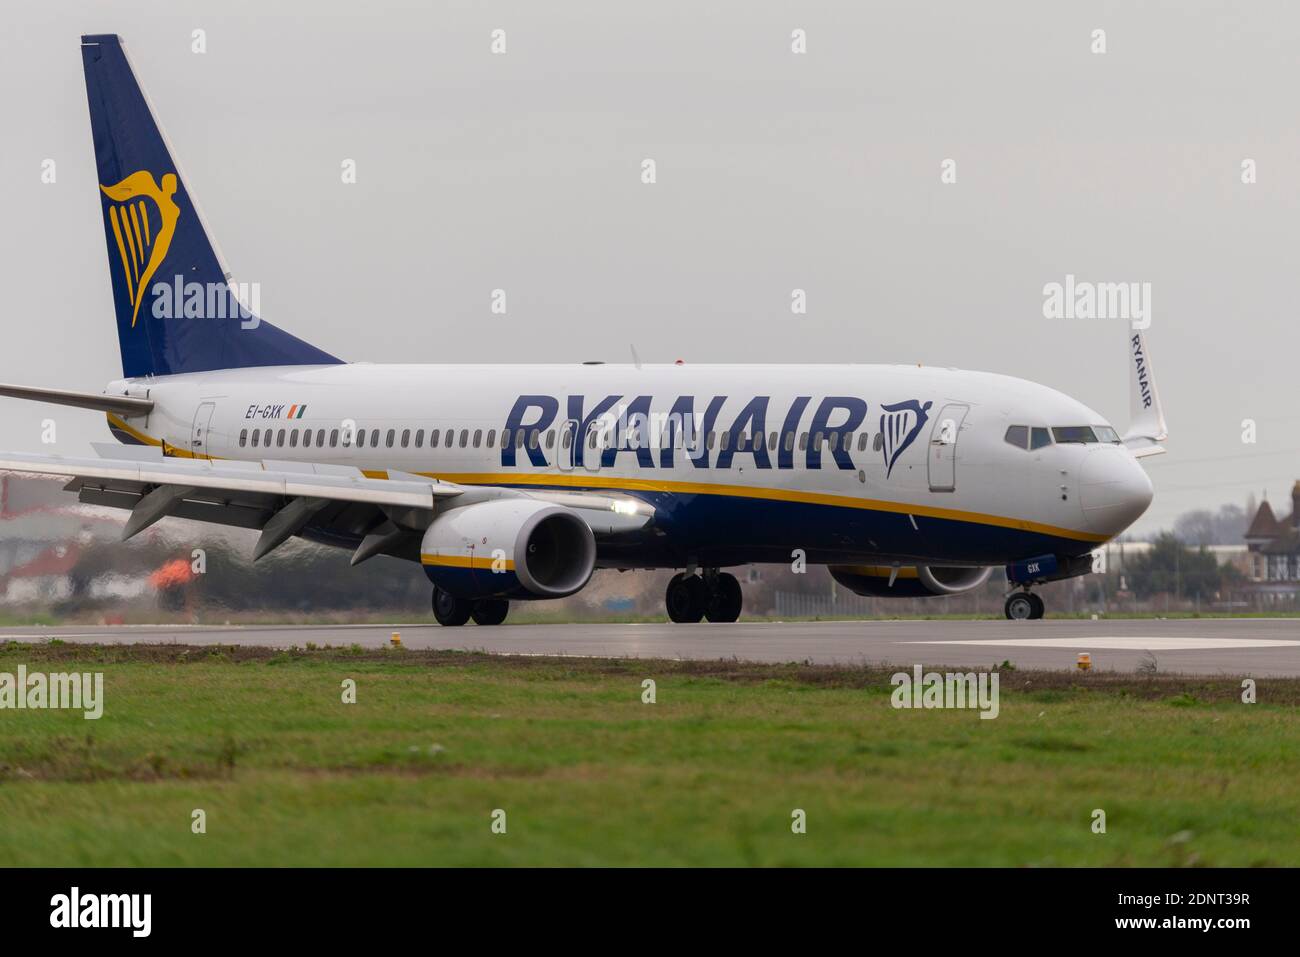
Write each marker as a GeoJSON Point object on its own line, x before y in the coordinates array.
{"type": "Point", "coordinates": [1085, 434]}
{"type": "Point", "coordinates": [1073, 433]}
{"type": "Point", "coordinates": [1018, 435]}
{"type": "Point", "coordinates": [1039, 438]}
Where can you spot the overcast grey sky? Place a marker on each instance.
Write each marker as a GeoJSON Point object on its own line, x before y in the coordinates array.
{"type": "Point", "coordinates": [775, 171]}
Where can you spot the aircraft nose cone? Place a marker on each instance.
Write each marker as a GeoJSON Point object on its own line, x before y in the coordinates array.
{"type": "Point", "coordinates": [1113, 489]}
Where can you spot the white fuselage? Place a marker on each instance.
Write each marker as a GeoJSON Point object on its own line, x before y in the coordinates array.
{"type": "Point", "coordinates": [913, 462]}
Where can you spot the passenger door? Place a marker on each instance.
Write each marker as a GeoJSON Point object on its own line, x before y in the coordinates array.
{"type": "Point", "coordinates": [943, 447]}
{"type": "Point", "coordinates": [199, 441]}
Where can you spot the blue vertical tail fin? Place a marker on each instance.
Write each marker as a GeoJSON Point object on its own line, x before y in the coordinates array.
{"type": "Point", "coordinates": [177, 310]}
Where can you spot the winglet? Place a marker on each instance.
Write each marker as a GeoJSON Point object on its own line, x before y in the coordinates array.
{"type": "Point", "coordinates": [1146, 415]}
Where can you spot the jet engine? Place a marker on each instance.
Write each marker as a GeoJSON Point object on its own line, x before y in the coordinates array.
{"type": "Point", "coordinates": [911, 581]}
{"type": "Point", "coordinates": [508, 548]}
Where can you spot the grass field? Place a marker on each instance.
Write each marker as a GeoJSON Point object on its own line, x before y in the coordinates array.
{"type": "Point", "coordinates": [588, 774]}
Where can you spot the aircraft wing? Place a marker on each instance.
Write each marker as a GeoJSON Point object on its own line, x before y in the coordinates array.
{"type": "Point", "coordinates": [386, 515]}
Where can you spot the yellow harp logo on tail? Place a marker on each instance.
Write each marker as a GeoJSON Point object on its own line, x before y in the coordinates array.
{"type": "Point", "coordinates": [143, 230]}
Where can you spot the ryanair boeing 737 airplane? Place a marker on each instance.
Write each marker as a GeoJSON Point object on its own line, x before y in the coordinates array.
{"type": "Point", "coordinates": [903, 480]}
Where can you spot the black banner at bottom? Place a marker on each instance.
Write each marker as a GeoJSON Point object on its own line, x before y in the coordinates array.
{"type": "Point", "coordinates": [334, 906]}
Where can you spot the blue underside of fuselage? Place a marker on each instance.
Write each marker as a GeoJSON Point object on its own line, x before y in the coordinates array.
{"type": "Point", "coordinates": [722, 530]}
{"type": "Point", "coordinates": [731, 530]}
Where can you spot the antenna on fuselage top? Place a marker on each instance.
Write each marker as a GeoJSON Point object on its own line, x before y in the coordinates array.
{"type": "Point", "coordinates": [636, 359]}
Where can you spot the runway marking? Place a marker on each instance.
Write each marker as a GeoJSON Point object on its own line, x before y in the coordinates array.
{"type": "Point", "coordinates": [1121, 643]}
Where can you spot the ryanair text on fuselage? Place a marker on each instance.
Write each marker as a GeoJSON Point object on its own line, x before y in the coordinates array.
{"type": "Point", "coordinates": [655, 437]}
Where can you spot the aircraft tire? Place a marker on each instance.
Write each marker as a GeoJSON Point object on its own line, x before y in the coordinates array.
{"type": "Point", "coordinates": [725, 599]}
{"type": "Point", "coordinates": [1020, 606]}
{"type": "Point", "coordinates": [686, 598]}
{"type": "Point", "coordinates": [450, 610]}
{"type": "Point", "coordinates": [490, 611]}
{"type": "Point", "coordinates": [1039, 607]}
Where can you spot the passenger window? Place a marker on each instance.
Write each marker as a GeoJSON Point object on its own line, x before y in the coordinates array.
{"type": "Point", "coordinates": [789, 441]}
{"type": "Point", "coordinates": [567, 440]}
{"type": "Point", "coordinates": [406, 437]}
{"type": "Point", "coordinates": [1039, 438]}
{"type": "Point", "coordinates": [772, 440]}
{"type": "Point", "coordinates": [392, 437]}
{"type": "Point", "coordinates": [550, 439]}
{"type": "Point", "coordinates": [1018, 435]}
{"type": "Point", "coordinates": [361, 438]}
{"type": "Point", "coordinates": [879, 441]}
{"type": "Point", "coordinates": [243, 437]}
{"type": "Point", "coordinates": [478, 437]}
{"type": "Point", "coordinates": [835, 441]}
{"type": "Point", "coordinates": [818, 438]}
{"type": "Point", "coordinates": [334, 438]}
{"type": "Point", "coordinates": [419, 438]}
{"type": "Point", "coordinates": [279, 439]}
{"type": "Point", "coordinates": [532, 439]}
{"type": "Point", "coordinates": [505, 438]}
{"type": "Point", "coordinates": [862, 441]}
{"type": "Point", "coordinates": [464, 437]}
{"type": "Point", "coordinates": [712, 436]}
{"type": "Point", "coordinates": [803, 441]}
{"type": "Point", "coordinates": [521, 437]}
{"type": "Point", "coordinates": [491, 441]}
{"type": "Point", "coordinates": [256, 433]}
{"type": "Point", "coordinates": [724, 438]}
{"type": "Point", "coordinates": [591, 444]}
{"type": "Point", "coordinates": [320, 438]}
{"type": "Point", "coordinates": [374, 438]}
{"type": "Point", "coordinates": [293, 438]}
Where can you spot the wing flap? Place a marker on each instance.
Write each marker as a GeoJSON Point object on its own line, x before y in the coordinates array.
{"type": "Point", "coordinates": [230, 479]}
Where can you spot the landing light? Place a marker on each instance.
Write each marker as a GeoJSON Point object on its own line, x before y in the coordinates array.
{"type": "Point", "coordinates": [624, 508]}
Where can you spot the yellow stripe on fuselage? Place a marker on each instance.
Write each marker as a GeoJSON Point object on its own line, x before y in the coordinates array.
{"type": "Point", "coordinates": [171, 451]}
{"type": "Point", "coordinates": [465, 561]}
{"type": "Point", "coordinates": [595, 482]}
{"type": "Point", "coordinates": [882, 571]}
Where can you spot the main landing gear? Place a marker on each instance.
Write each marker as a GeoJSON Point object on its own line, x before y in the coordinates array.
{"type": "Point", "coordinates": [714, 595]}
{"type": "Point", "coordinates": [1023, 604]}
{"type": "Point", "coordinates": [450, 610]}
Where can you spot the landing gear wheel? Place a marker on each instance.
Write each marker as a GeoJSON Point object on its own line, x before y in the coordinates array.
{"type": "Point", "coordinates": [686, 598]}
{"type": "Point", "coordinates": [490, 611]}
{"type": "Point", "coordinates": [450, 610]}
{"type": "Point", "coordinates": [725, 599]}
{"type": "Point", "coordinates": [1021, 606]}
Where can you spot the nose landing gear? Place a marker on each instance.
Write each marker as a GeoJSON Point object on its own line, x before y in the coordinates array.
{"type": "Point", "coordinates": [714, 595]}
{"type": "Point", "coordinates": [1022, 605]}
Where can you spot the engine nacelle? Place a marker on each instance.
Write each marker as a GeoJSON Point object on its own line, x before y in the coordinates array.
{"type": "Point", "coordinates": [912, 581]}
{"type": "Point", "coordinates": [509, 548]}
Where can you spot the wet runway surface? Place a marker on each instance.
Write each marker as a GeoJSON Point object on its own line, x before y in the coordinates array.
{"type": "Point", "coordinates": [1258, 647]}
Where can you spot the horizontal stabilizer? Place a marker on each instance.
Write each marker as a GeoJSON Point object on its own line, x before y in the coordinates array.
{"type": "Point", "coordinates": [121, 404]}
